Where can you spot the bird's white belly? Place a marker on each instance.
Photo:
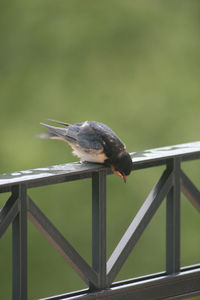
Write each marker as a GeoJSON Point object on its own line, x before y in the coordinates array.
{"type": "Point", "coordinates": [92, 156]}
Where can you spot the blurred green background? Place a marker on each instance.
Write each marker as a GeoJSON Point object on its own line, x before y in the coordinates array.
{"type": "Point", "coordinates": [134, 65]}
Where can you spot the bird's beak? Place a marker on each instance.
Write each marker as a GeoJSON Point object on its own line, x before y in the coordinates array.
{"type": "Point", "coordinates": [120, 175]}
{"type": "Point", "coordinates": [124, 178]}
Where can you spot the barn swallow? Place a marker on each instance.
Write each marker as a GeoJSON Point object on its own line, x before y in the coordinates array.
{"type": "Point", "coordinates": [94, 142]}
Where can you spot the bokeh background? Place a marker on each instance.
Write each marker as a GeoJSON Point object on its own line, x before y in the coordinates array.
{"type": "Point", "coordinates": [134, 65]}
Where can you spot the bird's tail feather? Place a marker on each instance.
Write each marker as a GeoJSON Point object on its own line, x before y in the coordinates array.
{"type": "Point", "coordinates": [58, 122]}
{"type": "Point", "coordinates": [54, 131]}
{"type": "Point", "coordinates": [46, 135]}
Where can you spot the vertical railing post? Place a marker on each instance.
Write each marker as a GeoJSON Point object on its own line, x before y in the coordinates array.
{"type": "Point", "coordinates": [173, 220]}
{"type": "Point", "coordinates": [99, 227]}
{"type": "Point", "coordinates": [19, 246]}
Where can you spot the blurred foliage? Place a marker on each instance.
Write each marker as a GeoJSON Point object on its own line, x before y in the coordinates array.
{"type": "Point", "coordinates": [134, 65]}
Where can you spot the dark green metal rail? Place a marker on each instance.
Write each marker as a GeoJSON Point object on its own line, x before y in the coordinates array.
{"type": "Point", "coordinates": [173, 283]}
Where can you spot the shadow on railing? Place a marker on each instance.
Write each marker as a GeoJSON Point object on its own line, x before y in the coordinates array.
{"type": "Point", "coordinates": [174, 283]}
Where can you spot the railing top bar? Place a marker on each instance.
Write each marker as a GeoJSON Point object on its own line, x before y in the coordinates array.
{"type": "Point", "coordinates": [81, 170]}
{"type": "Point", "coordinates": [49, 173]}
{"type": "Point", "coordinates": [156, 154]}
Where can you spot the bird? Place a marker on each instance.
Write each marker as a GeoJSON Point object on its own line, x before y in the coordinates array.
{"type": "Point", "coordinates": [93, 142]}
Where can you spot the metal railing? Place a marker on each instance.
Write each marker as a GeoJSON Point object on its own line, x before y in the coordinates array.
{"type": "Point", "coordinates": [174, 283]}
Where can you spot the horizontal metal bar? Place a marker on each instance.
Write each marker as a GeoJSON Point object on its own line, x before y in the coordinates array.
{"type": "Point", "coordinates": [138, 225]}
{"type": "Point", "coordinates": [50, 175]}
{"type": "Point", "coordinates": [5, 189]}
{"type": "Point", "coordinates": [154, 286]}
{"type": "Point", "coordinates": [122, 283]}
{"type": "Point", "coordinates": [185, 151]}
{"type": "Point", "coordinates": [74, 171]}
{"type": "Point", "coordinates": [8, 213]}
{"type": "Point", "coordinates": [43, 181]}
{"type": "Point", "coordinates": [154, 275]}
{"type": "Point", "coordinates": [60, 179]}
{"type": "Point", "coordinates": [61, 244]}
{"type": "Point", "coordinates": [190, 191]}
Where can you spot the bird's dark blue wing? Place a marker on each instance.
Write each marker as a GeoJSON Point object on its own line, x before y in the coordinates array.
{"type": "Point", "coordinates": [87, 137]}
{"type": "Point", "coordinates": [109, 137]}
{"type": "Point", "coordinates": [81, 135]}
{"type": "Point", "coordinates": [95, 135]}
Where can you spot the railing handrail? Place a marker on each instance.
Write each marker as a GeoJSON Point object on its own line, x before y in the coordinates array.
{"type": "Point", "coordinates": [100, 276]}
{"type": "Point", "coordinates": [142, 159]}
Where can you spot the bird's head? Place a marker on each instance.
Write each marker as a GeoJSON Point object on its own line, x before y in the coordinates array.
{"type": "Point", "coordinates": [122, 165]}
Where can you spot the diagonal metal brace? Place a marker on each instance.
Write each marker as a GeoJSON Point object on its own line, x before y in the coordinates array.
{"type": "Point", "coordinates": [61, 244]}
{"type": "Point", "coordinates": [138, 225]}
{"type": "Point", "coordinates": [8, 213]}
{"type": "Point", "coordinates": [190, 191]}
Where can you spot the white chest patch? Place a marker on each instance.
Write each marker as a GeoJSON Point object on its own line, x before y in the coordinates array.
{"type": "Point", "coordinates": [91, 156]}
